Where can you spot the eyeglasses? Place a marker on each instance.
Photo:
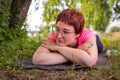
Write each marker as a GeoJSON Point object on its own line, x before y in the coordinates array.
{"type": "Point", "coordinates": [63, 33]}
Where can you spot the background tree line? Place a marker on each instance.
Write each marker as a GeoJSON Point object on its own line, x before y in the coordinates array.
{"type": "Point", "coordinates": [13, 14]}
{"type": "Point", "coordinates": [97, 13]}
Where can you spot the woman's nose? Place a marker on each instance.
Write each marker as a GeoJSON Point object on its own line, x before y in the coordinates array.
{"type": "Point", "coordinates": [59, 35]}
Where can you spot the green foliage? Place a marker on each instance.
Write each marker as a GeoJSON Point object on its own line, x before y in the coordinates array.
{"type": "Point", "coordinates": [114, 41]}
{"type": "Point", "coordinates": [17, 49]}
{"type": "Point", "coordinates": [97, 12]}
{"type": "Point", "coordinates": [115, 29]}
{"type": "Point", "coordinates": [4, 13]}
{"type": "Point", "coordinates": [44, 32]}
{"type": "Point", "coordinates": [14, 42]}
{"type": "Point", "coordinates": [11, 34]}
{"type": "Point", "coordinates": [111, 40]}
{"type": "Point", "coordinates": [111, 3]}
{"type": "Point", "coordinates": [15, 45]}
{"type": "Point", "coordinates": [50, 12]}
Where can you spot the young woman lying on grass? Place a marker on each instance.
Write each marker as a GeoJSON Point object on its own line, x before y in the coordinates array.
{"type": "Point", "coordinates": [70, 42]}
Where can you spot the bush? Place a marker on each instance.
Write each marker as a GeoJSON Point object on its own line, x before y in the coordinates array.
{"type": "Point", "coordinates": [115, 29]}
{"type": "Point", "coordinates": [15, 45]}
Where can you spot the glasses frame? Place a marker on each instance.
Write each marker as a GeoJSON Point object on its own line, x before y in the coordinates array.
{"type": "Point", "coordinates": [63, 33]}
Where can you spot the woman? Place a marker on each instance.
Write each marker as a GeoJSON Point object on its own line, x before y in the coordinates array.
{"type": "Point", "coordinates": [71, 42]}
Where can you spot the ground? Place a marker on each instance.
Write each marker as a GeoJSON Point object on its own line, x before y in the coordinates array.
{"type": "Point", "coordinates": [112, 72]}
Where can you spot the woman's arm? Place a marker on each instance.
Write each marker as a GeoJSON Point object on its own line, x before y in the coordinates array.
{"type": "Point", "coordinates": [43, 56]}
{"type": "Point", "coordinates": [83, 56]}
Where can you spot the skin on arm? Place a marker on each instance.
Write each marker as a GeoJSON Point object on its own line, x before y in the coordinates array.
{"type": "Point", "coordinates": [43, 56]}
{"type": "Point", "coordinates": [84, 54]}
{"type": "Point", "coordinates": [80, 55]}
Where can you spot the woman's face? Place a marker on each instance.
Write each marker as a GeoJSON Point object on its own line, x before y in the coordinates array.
{"type": "Point", "coordinates": [65, 34]}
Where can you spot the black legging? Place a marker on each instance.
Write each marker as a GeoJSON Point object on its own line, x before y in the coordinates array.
{"type": "Point", "coordinates": [99, 44]}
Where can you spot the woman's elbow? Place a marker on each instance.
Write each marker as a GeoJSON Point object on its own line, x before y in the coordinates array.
{"type": "Point", "coordinates": [35, 60]}
{"type": "Point", "coordinates": [88, 63]}
{"type": "Point", "coordinates": [39, 60]}
{"type": "Point", "coordinates": [91, 62]}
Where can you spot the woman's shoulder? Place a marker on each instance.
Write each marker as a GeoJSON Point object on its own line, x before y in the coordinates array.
{"type": "Point", "coordinates": [84, 35]}
{"type": "Point", "coordinates": [52, 36]}
{"type": "Point", "coordinates": [87, 32]}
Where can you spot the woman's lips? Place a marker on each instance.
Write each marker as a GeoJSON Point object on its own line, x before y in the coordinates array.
{"type": "Point", "coordinates": [59, 41]}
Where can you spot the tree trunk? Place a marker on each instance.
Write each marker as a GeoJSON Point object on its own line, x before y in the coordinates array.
{"type": "Point", "coordinates": [19, 9]}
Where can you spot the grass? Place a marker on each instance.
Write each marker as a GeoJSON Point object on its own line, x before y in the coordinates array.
{"type": "Point", "coordinates": [111, 40]}
{"type": "Point", "coordinates": [20, 49]}
{"type": "Point", "coordinates": [110, 73]}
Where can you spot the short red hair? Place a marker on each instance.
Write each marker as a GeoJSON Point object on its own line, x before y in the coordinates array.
{"type": "Point", "coordinates": [72, 17]}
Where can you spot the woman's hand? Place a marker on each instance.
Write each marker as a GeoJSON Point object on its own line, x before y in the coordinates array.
{"type": "Point", "coordinates": [49, 44]}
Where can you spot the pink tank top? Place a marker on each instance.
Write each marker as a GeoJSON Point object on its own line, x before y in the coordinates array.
{"type": "Point", "coordinates": [81, 39]}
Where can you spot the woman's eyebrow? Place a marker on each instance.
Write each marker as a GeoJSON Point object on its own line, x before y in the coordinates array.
{"type": "Point", "coordinates": [66, 29]}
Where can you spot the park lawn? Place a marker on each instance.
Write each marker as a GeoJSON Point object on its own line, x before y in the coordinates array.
{"type": "Point", "coordinates": [112, 72]}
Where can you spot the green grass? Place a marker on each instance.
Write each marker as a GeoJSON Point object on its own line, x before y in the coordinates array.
{"type": "Point", "coordinates": [16, 50]}
{"type": "Point", "coordinates": [24, 49]}
{"type": "Point", "coordinates": [111, 43]}
{"type": "Point", "coordinates": [112, 72]}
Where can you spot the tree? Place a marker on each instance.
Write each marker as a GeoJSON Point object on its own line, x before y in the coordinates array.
{"type": "Point", "coordinates": [13, 12]}
{"type": "Point", "coordinates": [4, 12]}
{"type": "Point", "coordinates": [97, 12]}
{"type": "Point", "coordinates": [18, 11]}
{"type": "Point", "coordinates": [12, 16]}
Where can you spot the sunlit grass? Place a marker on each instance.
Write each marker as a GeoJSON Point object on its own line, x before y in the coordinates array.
{"type": "Point", "coordinates": [111, 43]}
{"type": "Point", "coordinates": [111, 40]}
{"type": "Point", "coordinates": [24, 49]}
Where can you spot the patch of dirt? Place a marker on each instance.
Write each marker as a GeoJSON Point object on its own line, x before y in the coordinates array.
{"type": "Point", "coordinates": [36, 74]}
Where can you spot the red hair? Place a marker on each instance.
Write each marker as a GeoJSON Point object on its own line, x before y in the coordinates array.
{"type": "Point", "coordinates": [72, 17]}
